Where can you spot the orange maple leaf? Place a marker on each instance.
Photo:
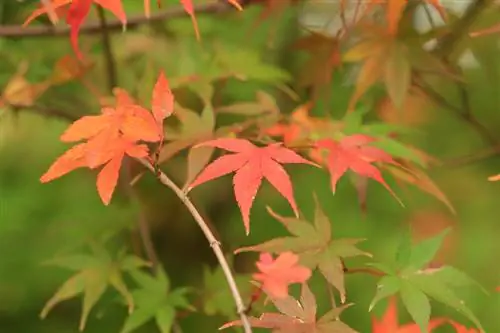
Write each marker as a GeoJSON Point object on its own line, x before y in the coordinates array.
{"type": "Point", "coordinates": [276, 275]}
{"type": "Point", "coordinates": [112, 135]}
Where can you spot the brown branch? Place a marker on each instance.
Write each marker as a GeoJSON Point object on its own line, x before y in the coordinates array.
{"type": "Point", "coordinates": [214, 243]}
{"type": "Point", "coordinates": [464, 111]}
{"type": "Point", "coordinates": [109, 57]}
{"type": "Point", "coordinates": [365, 270]}
{"type": "Point", "coordinates": [114, 25]}
{"type": "Point", "coordinates": [461, 27]}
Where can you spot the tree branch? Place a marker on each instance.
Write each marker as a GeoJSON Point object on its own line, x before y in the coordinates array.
{"type": "Point", "coordinates": [214, 243]}
{"type": "Point", "coordinates": [108, 50]}
{"type": "Point", "coordinates": [114, 25]}
{"type": "Point", "coordinates": [461, 27]}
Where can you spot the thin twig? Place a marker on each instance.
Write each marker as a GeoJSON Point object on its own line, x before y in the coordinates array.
{"type": "Point", "coordinates": [447, 43]}
{"type": "Point", "coordinates": [464, 111]}
{"type": "Point", "coordinates": [114, 25]}
{"type": "Point", "coordinates": [108, 50]}
{"type": "Point", "coordinates": [214, 243]}
{"type": "Point", "coordinates": [365, 270]}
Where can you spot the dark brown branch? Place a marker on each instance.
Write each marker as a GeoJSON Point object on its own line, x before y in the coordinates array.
{"type": "Point", "coordinates": [463, 111]}
{"type": "Point", "coordinates": [461, 27]}
{"type": "Point", "coordinates": [114, 25]}
{"type": "Point", "coordinates": [365, 270]}
{"type": "Point", "coordinates": [108, 50]}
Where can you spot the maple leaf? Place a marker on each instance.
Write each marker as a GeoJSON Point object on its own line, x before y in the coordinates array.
{"type": "Point", "coordinates": [155, 300]}
{"type": "Point", "coordinates": [162, 101]}
{"type": "Point", "coordinates": [389, 322]}
{"type": "Point", "coordinates": [94, 273]}
{"type": "Point", "coordinates": [410, 277]}
{"type": "Point", "coordinates": [353, 153]}
{"type": "Point", "coordinates": [217, 298]}
{"type": "Point", "coordinates": [314, 245]}
{"type": "Point", "coordinates": [101, 149]}
{"type": "Point", "coordinates": [251, 164]}
{"type": "Point", "coordinates": [77, 13]}
{"type": "Point", "coordinates": [298, 317]}
{"type": "Point", "coordinates": [276, 275]}
{"type": "Point", "coordinates": [130, 120]}
{"type": "Point", "coordinates": [110, 136]}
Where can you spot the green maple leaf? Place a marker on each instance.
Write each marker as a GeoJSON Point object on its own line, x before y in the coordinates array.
{"type": "Point", "coordinates": [155, 300]}
{"type": "Point", "coordinates": [415, 283]}
{"type": "Point", "coordinates": [217, 298]}
{"type": "Point", "coordinates": [94, 274]}
{"type": "Point", "coordinates": [314, 245]}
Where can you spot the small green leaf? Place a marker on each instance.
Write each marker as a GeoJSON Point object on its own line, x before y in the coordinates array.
{"type": "Point", "coordinates": [165, 318]}
{"type": "Point", "coordinates": [397, 149]}
{"type": "Point", "coordinates": [424, 252]}
{"type": "Point", "coordinates": [353, 120]}
{"type": "Point", "coordinates": [441, 292]}
{"type": "Point", "coordinates": [95, 286]}
{"type": "Point", "coordinates": [72, 287]}
{"type": "Point", "coordinates": [321, 222]}
{"type": "Point", "coordinates": [332, 269]}
{"type": "Point", "coordinates": [138, 318]}
{"type": "Point", "coordinates": [454, 277]}
{"type": "Point", "coordinates": [417, 304]}
{"type": "Point", "coordinates": [387, 286]}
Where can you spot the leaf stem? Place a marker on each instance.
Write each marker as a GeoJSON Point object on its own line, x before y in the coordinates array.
{"type": "Point", "coordinates": [214, 243]}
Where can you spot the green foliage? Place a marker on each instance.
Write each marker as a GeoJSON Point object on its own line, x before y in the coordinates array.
{"type": "Point", "coordinates": [415, 283]}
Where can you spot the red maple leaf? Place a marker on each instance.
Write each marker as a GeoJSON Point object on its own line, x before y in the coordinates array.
{"type": "Point", "coordinates": [276, 275]}
{"type": "Point", "coordinates": [459, 328]}
{"type": "Point", "coordinates": [389, 322]}
{"type": "Point", "coordinates": [77, 13]}
{"type": "Point", "coordinates": [251, 164]}
{"type": "Point", "coordinates": [352, 153]}
{"type": "Point", "coordinates": [298, 316]}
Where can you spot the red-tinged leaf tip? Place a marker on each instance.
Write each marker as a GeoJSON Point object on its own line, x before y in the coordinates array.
{"type": "Point", "coordinates": [147, 8]}
{"type": "Point", "coordinates": [246, 183]}
{"type": "Point", "coordinates": [494, 178]}
{"type": "Point", "coordinates": [162, 99]}
{"type": "Point", "coordinates": [115, 7]}
{"type": "Point", "coordinates": [77, 13]}
{"type": "Point", "coordinates": [277, 275]}
{"type": "Point", "coordinates": [189, 8]}
{"type": "Point", "coordinates": [108, 178]}
{"type": "Point", "coordinates": [235, 3]}
{"type": "Point", "coordinates": [277, 176]}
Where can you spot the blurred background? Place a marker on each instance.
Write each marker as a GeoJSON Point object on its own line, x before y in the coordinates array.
{"type": "Point", "coordinates": [39, 222]}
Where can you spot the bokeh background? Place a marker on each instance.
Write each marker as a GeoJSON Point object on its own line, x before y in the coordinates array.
{"type": "Point", "coordinates": [38, 222]}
